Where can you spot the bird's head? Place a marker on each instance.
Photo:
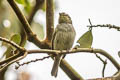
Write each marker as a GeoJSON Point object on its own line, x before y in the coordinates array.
{"type": "Point", "coordinates": [64, 18]}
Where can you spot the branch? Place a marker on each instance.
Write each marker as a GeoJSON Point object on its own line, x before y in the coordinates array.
{"type": "Point", "coordinates": [88, 50]}
{"type": "Point", "coordinates": [21, 16]}
{"type": "Point", "coordinates": [12, 43]}
{"type": "Point", "coordinates": [64, 65]}
{"type": "Point", "coordinates": [106, 25]}
{"type": "Point", "coordinates": [47, 51]}
{"type": "Point", "coordinates": [21, 49]}
{"type": "Point", "coordinates": [68, 69]}
{"type": "Point", "coordinates": [15, 60]}
{"type": "Point", "coordinates": [103, 71]}
{"type": "Point", "coordinates": [16, 67]}
{"type": "Point", "coordinates": [31, 36]}
{"type": "Point", "coordinates": [90, 28]}
{"type": "Point", "coordinates": [49, 20]}
{"type": "Point", "coordinates": [117, 75]}
{"type": "Point", "coordinates": [9, 59]}
{"type": "Point", "coordinates": [104, 62]}
{"type": "Point", "coordinates": [71, 73]}
{"type": "Point", "coordinates": [39, 4]}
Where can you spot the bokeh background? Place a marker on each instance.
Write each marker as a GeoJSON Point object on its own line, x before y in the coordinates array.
{"type": "Point", "coordinates": [87, 65]}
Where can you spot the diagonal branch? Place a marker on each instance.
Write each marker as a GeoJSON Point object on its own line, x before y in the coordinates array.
{"type": "Point", "coordinates": [21, 49]}
{"type": "Point", "coordinates": [21, 16]}
{"type": "Point", "coordinates": [31, 36]}
{"type": "Point", "coordinates": [12, 43]}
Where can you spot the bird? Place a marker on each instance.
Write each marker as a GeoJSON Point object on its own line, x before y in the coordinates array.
{"type": "Point", "coordinates": [62, 39]}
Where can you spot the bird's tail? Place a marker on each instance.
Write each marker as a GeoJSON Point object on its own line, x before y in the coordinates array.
{"type": "Point", "coordinates": [56, 65]}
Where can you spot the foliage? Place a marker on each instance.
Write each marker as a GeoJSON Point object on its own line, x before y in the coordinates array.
{"type": "Point", "coordinates": [10, 50]}
{"type": "Point", "coordinates": [86, 40]}
{"type": "Point", "coordinates": [10, 26]}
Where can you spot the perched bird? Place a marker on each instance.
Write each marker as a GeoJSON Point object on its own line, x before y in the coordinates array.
{"type": "Point", "coordinates": [63, 39]}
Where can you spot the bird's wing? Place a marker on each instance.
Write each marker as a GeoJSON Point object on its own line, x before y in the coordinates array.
{"type": "Point", "coordinates": [53, 37]}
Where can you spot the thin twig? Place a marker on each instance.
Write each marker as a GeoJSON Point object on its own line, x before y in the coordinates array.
{"type": "Point", "coordinates": [12, 43]}
{"type": "Point", "coordinates": [104, 63]}
{"type": "Point", "coordinates": [106, 25]}
{"type": "Point", "coordinates": [103, 71]}
{"type": "Point", "coordinates": [100, 58]}
{"type": "Point", "coordinates": [16, 67]}
{"type": "Point", "coordinates": [43, 51]}
{"type": "Point", "coordinates": [90, 21]}
{"type": "Point", "coordinates": [86, 50]}
{"type": "Point", "coordinates": [90, 28]}
{"type": "Point", "coordinates": [15, 60]}
{"type": "Point", "coordinates": [21, 49]}
{"type": "Point", "coordinates": [9, 59]}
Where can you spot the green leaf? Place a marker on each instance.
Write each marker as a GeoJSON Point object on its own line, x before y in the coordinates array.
{"type": "Point", "coordinates": [16, 38]}
{"type": "Point", "coordinates": [27, 6]}
{"type": "Point", "coordinates": [86, 40]}
{"type": "Point", "coordinates": [9, 52]}
{"type": "Point", "coordinates": [20, 1]}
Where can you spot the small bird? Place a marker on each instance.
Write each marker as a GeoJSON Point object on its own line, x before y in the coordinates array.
{"type": "Point", "coordinates": [63, 39]}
